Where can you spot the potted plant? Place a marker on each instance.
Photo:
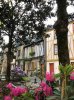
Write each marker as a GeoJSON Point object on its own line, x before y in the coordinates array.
{"type": "Point", "coordinates": [32, 53]}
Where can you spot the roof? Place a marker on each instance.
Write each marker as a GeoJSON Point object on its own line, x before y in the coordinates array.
{"type": "Point", "coordinates": [34, 43]}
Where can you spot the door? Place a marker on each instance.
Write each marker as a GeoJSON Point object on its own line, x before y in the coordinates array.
{"type": "Point", "coordinates": [51, 65]}
{"type": "Point", "coordinates": [33, 66]}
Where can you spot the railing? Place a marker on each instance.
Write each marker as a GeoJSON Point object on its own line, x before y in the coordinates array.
{"type": "Point", "coordinates": [2, 77]}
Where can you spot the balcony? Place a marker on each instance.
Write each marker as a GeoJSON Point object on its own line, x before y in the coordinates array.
{"type": "Point", "coordinates": [32, 54]}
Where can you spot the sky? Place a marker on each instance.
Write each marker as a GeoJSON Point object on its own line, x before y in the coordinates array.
{"type": "Point", "coordinates": [70, 9]}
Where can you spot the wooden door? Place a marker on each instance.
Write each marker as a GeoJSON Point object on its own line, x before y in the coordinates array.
{"type": "Point", "coordinates": [33, 65]}
{"type": "Point", "coordinates": [51, 65]}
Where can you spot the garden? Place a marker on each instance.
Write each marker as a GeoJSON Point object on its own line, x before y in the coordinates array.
{"type": "Point", "coordinates": [55, 87]}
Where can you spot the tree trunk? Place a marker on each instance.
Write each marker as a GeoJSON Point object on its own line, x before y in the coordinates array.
{"type": "Point", "coordinates": [62, 33]}
{"type": "Point", "coordinates": [61, 27]}
{"type": "Point", "coordinates": [63, 52]}
{"type": "Point", "coordinates": [9, 57]}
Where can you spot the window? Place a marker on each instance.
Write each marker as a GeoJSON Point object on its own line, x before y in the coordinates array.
{"type": "Point", "coordinates": [41, 50]}
{"type": "Point", "coordinates": [18, 63]}
{"type": "Point", "coordinates": [73, 27]}
{"type": "Point", "coordinates": [18, 53]}
{"type": "Point", "coordinates": [33, 49]}
{"type": "Point", "coordinates": [72, 63]}
{"type": "Point", "coordinates": [55, 49]}
{"type": "Point", "coordinates": [55, 37]}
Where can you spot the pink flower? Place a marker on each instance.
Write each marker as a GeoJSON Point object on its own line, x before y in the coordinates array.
{"type": "Point", "coordinates": [37, 97]}
{"type": "Point", "coordinates": [72, 76]}
{"type": "Point", "coordinates": [38, 89]}
{"type": "Point", "coordinates": [42, 84]}
{"type": "Point", "coordinates": [18, 91]}
{"type": "Point", "coordinates": [7, 98]}
{"type": "Point", "coordinates": [10, 86]}
{"type": "Point", "coordinates": [50, 77]}
{"type": "Point", "coordinates": [47, 90]}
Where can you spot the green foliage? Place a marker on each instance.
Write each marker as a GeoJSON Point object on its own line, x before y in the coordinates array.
{"type": "Point", "coordinates": [26, 79]}
{"type": "Point", "coordinates": [65, 70]}
{"type": "Point", "coordinates": [32, 53]}
{"type": "Point", "coordinates": [53, 98]}
{"type": "Point", "coordinates": [5, 91]}
{"type": "Point", "coordinates": [25, 96]}
{"type": "Point", "coordinates": [38, 73]}
{"type": "Point", "coordinates": [58, 75]}
{"type": "Point", "coordinates": [57, 92]}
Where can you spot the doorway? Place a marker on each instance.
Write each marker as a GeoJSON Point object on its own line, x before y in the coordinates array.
{"type": "Point", "coordinates": [51, 65]}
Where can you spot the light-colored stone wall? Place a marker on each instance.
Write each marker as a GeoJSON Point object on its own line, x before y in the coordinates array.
{"type": "Point", "coordinates": [20, 57]}
{"type": "Point", "coordinates": [51, 57]}
{"type": "Point", "coordinates": [4, 63]}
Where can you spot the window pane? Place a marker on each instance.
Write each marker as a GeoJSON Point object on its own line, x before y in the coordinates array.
{"type": "Point", "coordinates": [55, 37]}
{"type": "Point", "coordinates": [55, 49]}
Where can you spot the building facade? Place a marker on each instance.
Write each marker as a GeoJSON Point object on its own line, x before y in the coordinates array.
{"type": "Point", "coordinates": [33, 55]}
{"type": "Point", "coordinates": [1, 60]}
{"type": "Point", "coordinates": [52, 50]}
{"type": "Point", "coordinates": [20, 56]}
{"type": "Point", "coordinates": [4, 62]}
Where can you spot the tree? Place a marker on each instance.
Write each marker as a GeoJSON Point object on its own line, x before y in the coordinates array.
{"type": "Point", "coordinates": [20, 17]}
{"type": "Point", "coordinates": [30, 17]}
{"type": "Point", "coordinates": [62, 32]}
{"type": "Point", "coordinates": [33, 21]}
{"type": "Point", "coordinates": [10, 18]}
{"type": "Point", "coordinates": [61, 27]}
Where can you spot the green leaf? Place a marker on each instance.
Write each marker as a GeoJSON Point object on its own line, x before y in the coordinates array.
{"type": "Point", "coordinates": [57, 75]}
{"type": "Point", "coordinates": [28, 95]}
{"type": "Point", "coordinates": [53, 98]}
{"type": "Point", "coordinates": [57, 92]}
{"type": "Point", "coordinates": [61, 68]}
{"type": "Point", "coordinates": [69, 69]}
{"type": "Point", "coordinates": [26, 79]}
{"type": "Point", "coordinates": [71, 98]}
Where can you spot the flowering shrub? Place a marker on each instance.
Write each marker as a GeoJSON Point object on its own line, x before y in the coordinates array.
{"type": "Point", "coordinates": [10, 86]}
{"type": "Point", "coordinates": [10, 91]}
{"type": "Point", "coordinates": [18, 73]}
{"type": "Point", "coordinates": [72, 76]}
{"type": "Point", "coordinates": [7, 97]}
{"type": "Point", "coordinates": [46, 89]}
{"type": "Point", "coordinates": [43, 91]}
{"type": "Point", "coordinates": [16, 91]}
{"type": "Point", "coordinates": [50, 77]}
{"type": "Point", "coordinates": [22, 93]}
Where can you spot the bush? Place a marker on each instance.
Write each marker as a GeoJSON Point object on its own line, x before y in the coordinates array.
{"type": "Point", "coordinates": [17, 73]}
